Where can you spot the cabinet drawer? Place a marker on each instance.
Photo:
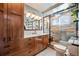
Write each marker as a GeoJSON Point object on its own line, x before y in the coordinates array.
{"type": "Point", "coordinates": [28, 41]}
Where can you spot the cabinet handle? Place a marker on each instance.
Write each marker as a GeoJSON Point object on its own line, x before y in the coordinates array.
{"type": "Point", "coordinates": [1, 10]}
{"type": "Point", "coordinates": [9, 38]}
{"type": "Point", "coordinates": [4, 39]}
{"type": "Point", "coordinates": [6, 46]}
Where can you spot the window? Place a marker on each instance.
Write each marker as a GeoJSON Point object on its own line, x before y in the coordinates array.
{"type": "Point", "coordinates": [61, 7]}
{"type": "Point", "coordinates": [62, 20]}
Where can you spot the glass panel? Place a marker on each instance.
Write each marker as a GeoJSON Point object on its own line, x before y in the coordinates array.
{"type": "Point", "coordinates": [46, 25]}
{"type": "Point", "coordinates": [63, 26]}
{"type": "Point", "coordinates": [63, 29]}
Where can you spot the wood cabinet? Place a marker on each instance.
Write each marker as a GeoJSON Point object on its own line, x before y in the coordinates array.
{"type": "Point", "coordinates": [34, 45]}
{"type": "Point", "coordinates": [1, 6]}
{"type": "Point", "coordinates": [12, 40]}
{"type": "Point", "coordinates": [15, 26]}
{"type": "Point", "coordinates": [3, 30]}
{"type": "Point", "coordinates": [16, 8]}
{"type": "Point", "coordinates": [11, 27]}
{"type": "Point", "coordinates": [2, 38]}
{"type": "Point", "coordinates": [45, 40]}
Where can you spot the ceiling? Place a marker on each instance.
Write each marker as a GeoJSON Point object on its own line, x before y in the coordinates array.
{"type": "Point", "coordinates": [41, 6]}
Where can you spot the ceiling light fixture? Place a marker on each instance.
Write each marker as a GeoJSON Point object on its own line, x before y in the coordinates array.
{"type": "Point", "coordinates": [36, 17]}
{"type": "Point", "coordinates": [28, 14]}
{"type": "Point", "coordinates": [40, 18]}
{"type": "Point", "coordinates": [32, 16]}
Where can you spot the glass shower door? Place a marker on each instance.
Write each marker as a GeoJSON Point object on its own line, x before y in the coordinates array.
{"type": "Point", "coordinates": [63, 29]}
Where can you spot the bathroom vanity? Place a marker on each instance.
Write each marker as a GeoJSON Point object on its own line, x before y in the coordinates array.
{"type": "Point", "coordinates": [35, 43]}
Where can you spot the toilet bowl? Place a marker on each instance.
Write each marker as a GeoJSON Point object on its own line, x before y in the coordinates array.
{"type": "Point", "coordinates": [60, 48]}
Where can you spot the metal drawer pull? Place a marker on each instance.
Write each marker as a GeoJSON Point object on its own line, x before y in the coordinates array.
{"type": "Point", "coordinates": [4, 39]}
{"type": "Point", "coordinates": [6, 46]}
{"type": "Point", "coordinates": [9, 39]}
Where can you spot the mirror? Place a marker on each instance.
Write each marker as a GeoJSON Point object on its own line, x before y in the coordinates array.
{"type": "Point", "coordinates": [31, 23]}
{"type": "Point", "coordinates": [36, 24]}
{"type": "Point", "coordinates": [28, 24]}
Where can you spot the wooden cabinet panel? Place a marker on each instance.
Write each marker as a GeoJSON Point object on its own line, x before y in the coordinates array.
{"type": "Point", "coordinates": [15, 26]}
{"type": "Point", "coordinates": [29, 43]}
{"type": "Point", "coordinates": [38, 43]}
{"type": "Point", "coordinates": [1, 34]}
{"type": "Point", "coordinates": [1, 6]}
{"type": "Point", "coordinates": [14, 30]}
{"type": "Point", "coordinates": [3, 31]}
{"type": "Point", "coordinates": [35, 44]}
{"type": "Point", "coordinates": [11, 27]}
{"type": "Point", "coordinates": [29, 46]}
{"type": "Point", "coordinates": [45, 40]}
{"type": "Point", "coordinates": [16, 8]}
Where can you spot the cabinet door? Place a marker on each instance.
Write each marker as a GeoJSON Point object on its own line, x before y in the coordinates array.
{"type": "Point", "coordinates": [1, 34]}
{"type": "Point", "coordinates": [15, 26]}
{"type": "Point", "coordinates": [3, 30]}
{"type": "Point", "coordinates": [45, 40]}
{"type": "Point", "coordinates": [14, 30]}
{"type": "Point", "coordinates": [1, 6]}
{"type": "Point", "coordinates": [15, 8]}
{"type": "Point", "coordinates": [37, 44]}
{"type": "Point", "coordinates": [11, 27]}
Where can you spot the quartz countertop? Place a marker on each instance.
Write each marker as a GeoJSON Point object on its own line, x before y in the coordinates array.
{"type": "Point", "coordinates": [34, 35]}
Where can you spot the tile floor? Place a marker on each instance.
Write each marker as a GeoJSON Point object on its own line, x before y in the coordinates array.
{"type": "Point", "coordinates": [48, 52]}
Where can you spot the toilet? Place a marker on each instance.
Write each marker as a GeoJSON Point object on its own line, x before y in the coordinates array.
{"type": "Point", "coordinates": [59, 48]}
